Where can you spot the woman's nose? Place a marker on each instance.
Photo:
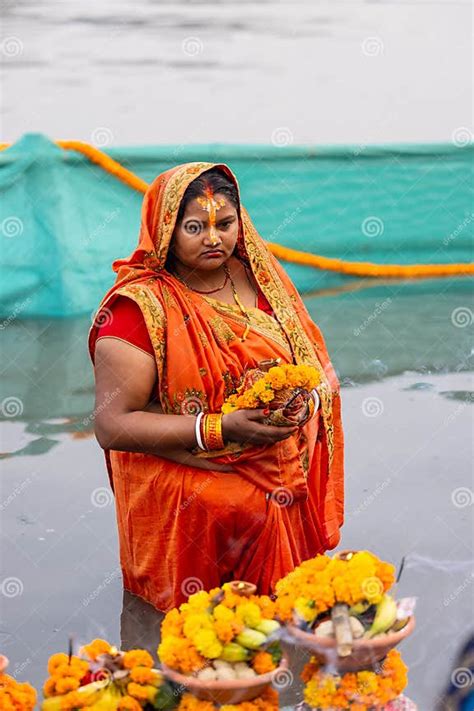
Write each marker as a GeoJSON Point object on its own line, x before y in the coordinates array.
{"type": "Point", "coordinates": [212, 236]}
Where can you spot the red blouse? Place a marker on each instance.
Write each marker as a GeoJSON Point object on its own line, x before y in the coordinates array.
{"type": "Point", "coordinates": [127, 322]}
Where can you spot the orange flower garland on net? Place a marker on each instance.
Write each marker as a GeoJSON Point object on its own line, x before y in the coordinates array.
{"type": "Point", "coordinates": [319, 583]}
{"type": "Point", "coordinates": [15, 695]}
{"type": "Point", "coordinates": [264, 390]}
{"type": "Point", "coordinates": [357, 691]}
{"type": "Point", "coordinates": [268, 701]}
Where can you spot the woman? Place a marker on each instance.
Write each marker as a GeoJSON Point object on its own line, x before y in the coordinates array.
{"type": "Point", "coordinates": [200, 301]}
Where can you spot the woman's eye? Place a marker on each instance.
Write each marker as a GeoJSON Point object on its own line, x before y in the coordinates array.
{"type": "Point", "coordinates": [225, 225]}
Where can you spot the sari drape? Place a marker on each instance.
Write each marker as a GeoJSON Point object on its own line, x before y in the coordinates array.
{"type": "Point", "coordinates": [182, 528]}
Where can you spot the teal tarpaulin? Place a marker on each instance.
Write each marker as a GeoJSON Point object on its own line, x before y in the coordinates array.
{"type": "Point", "coordinates": [64, 220]}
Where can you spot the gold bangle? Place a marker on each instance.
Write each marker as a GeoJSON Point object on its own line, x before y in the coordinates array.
{"type": "Point", "coordinates": [212, 432]}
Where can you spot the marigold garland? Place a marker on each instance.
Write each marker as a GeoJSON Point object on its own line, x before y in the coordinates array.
{"type": "Point", "coordinates": [357, 691]}
{"type": "Point", "coordinates": [263, 391]}
{"type": "Point", "coordinates": [318, 583]}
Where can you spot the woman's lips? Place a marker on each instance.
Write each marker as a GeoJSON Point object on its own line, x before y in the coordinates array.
{"type": "Point", "coordinates": [214, 253]}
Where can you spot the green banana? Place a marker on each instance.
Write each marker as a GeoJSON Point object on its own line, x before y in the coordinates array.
{"type": "Point", "coordinates": [385, 616]}
{"type": "Point", "coordinates": [251, 639]}
{"type": "Point", "coordinates": [268, 627]}
{"type": "Point", "coordinates": [233, 652]}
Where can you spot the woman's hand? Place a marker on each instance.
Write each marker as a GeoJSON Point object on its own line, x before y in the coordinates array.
{"type": "Point", "coordinates": [246, 426]}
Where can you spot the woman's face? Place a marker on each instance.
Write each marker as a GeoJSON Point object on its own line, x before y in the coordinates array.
{"type": "Point", "coordinates": [208, 232]}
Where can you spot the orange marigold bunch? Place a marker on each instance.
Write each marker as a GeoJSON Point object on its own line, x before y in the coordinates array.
{"type": "Point", "coordinates": [319, 583]}
{"type": "Point", "coordinates": [268, 701]}
{"type": "Point", "coordinates": [15, 695]}
{"type": "Point", "coordinates": [359, 691]}
{"type": "Point", "coordinates": [206, 628]}
{"type": "Point", "coordinates": [264, 390]}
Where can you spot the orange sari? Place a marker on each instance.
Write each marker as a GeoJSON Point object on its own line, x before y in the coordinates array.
{"type": "Point", "coordinates": [182, 528]}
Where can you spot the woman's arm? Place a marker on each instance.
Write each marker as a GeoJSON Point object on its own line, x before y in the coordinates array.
{"type": "Point", "coordinates": [126, 419]}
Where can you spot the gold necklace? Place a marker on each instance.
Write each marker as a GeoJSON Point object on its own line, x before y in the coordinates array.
{"type": "Point", "coordinates": [242, 308]}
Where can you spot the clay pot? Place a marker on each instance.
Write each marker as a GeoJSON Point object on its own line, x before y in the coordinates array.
{"type": "Point", "coordinates": [243, 588]}
{"type": "Point", "coordinates": [228, 691]}
{"type": "Point", "coordinates": [365, 652]}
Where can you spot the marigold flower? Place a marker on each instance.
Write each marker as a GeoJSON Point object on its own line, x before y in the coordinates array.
{"type": "Point", "coordinates": [128, 703]}
{"type": "Point", "coordinates": [137, 658]}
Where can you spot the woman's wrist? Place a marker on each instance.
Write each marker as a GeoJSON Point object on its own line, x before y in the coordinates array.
{"type": "Point", "coordinates": [209, 432]}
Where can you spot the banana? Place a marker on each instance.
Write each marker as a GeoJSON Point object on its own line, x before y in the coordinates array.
{"type": "Point", "coordinates": [233, 652]}
{"type": "Point", "coordinates": [251, 639]}
{"type": "Point", "coordinates": [268, 627]}
{"type": "Point", "coordinates": [385, 616]}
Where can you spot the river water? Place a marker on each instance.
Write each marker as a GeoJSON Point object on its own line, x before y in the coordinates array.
{"type": "Point", "coordinates": [294, 71]}
{"type": "Point", "coordinates": [404, 359]}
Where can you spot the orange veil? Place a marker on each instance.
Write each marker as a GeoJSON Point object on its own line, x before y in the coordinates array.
{"type": "Point", "coordinates": [310, 469]}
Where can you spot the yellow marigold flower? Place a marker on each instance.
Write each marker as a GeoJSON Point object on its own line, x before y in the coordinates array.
{"type": "Point", "coordinates": [223, 614]}
{"type": "Point", "coordinates": [197, 602]}
{"type": "Point", "coordinates": [267, 396]}
{"type": "Point", "coordinates": [196, 622]}
{"type": "Point", "coordinates": [172, 623]}
{"type": "Point", "coordinates": [207, 644]}
{"type": "Point", "coordinates": [137, 658]}
{"type": "Point", "coordinates": [277, 377]}
{"type": "Point", "coordinates": [249, 613]}
{"type": "Point", "coordinates": [128, 703]}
